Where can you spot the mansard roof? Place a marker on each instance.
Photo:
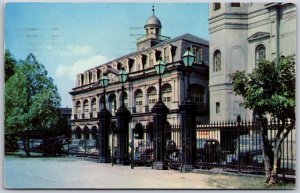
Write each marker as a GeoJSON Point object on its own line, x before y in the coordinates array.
{"type": "Point", "coordinates": [186, 37]}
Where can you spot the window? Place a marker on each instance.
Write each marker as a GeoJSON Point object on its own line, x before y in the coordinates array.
{"type": "Point", "coordinates": [125, 99]}
{"type": "Point", "coordinates": [151, 59]}
{"type": "Point", "coordinates": [217, 61]}
{"type": "Point", "coordinates": [86, 106]}
{"type": "Point", "coordinates": [78, 108]}
{"type": "Point", "coordinates": [94, 105]}
{"type": "Point", "coordinates": [197, 93]}
{"type": "Point", "coordinates": [260, 53]}
{"type": "Point", "coordinates": [216, 6]}
{"type": "Point", "coordinates": [152, 97]}
{"type": "Point", "coordinates": [235, 4]}
{"type": "Point", "coordinates": [198, 55]}
{"type": "Point", "coordinates": [112, 107]}
{"type": "Point", "coordinates": [167, 94]}
{"type": "Point", "coordinates": [144, 61]}
{"type": "Point", "coordinates": [217, 108]}
{"type": "Point", "coordinates": [98, 74]}
{"type": "Point", "coordinates": [139, 101]}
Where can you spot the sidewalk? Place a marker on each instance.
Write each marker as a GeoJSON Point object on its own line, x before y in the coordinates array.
{"type": "Point", "coordinates": [74, 173]}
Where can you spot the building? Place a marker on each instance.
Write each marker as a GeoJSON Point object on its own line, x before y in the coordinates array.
{"type": "Point", "coordinates": [142, 87]}
{"type": "Point", "coordinates": [66, 113]}
{"type": "Point", "coordinates": [240, 35]}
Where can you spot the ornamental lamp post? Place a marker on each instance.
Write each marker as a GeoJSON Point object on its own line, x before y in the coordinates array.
{"type": "Point", "coordinates": [188, 119]}
{"type": "Point", "coordinates": [104, 125]}
{"type": "Point", "coordinates": [160, 112]}
{"type": "Point", "coordinates": [188, 59]}
{"type": "Point", "coordinates": [122, 129]}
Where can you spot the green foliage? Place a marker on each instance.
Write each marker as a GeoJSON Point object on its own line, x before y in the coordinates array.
{"type": "Point", "coordinates": [31, 98]}
{"type": "Point", "coordinates": [10, 65]}
{"type": "Point", "coordinates": [270, 88]}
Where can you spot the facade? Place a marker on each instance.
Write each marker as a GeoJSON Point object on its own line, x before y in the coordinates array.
{"type": "Point", "coordinates": [141, 89]}
{"type": "Point", "coordinates": [240, 35]}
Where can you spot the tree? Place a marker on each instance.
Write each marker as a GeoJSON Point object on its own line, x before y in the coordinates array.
{"type": "Point", "coordinates": [270, 89]}
{"type": "Point", "coordinates": [10, 65]}
{"type": "Point", "coordinates": [31, 98]}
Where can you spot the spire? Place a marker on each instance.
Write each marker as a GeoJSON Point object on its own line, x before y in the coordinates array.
{"type": "Point", "coordinates": [153, 9]}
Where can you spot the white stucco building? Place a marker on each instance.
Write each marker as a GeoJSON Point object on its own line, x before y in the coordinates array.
{"type": "Point", "coordinates": [240, 34]}
{"type": "Point", "coordinates": [141, 89]}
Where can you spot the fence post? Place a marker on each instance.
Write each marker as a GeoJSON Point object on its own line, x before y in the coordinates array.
{"type": "Point", "coordinates": [104, 124]}
{"type": "Point", "coordinates": [132, 149]}
{"type": "Point", "coordinates": [238, 142]}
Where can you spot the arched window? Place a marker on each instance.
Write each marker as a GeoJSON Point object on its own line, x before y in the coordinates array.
{"type": "Point", "coordinates": [217, 61]}
{"type": "Point", "coordinates": [85, 108]}
{"type": "Point", "coordinates": [260, 53]}
{"type": "Point", "coordinates": [78, 133]}
{"type": "Point", "coordinates": [94, 133]}
{"type": "Point", "coordinates": [139, 101]}
{"type": "Point", "coordinates": [152, 97]}
{"type": "Point", "coordinates": [167, 94]}
{"type": "Point", "coordinates": [86, 133]}
{"type": "Point", "coordinates": [101, 102]}
{"type": "Point", "coordinates": [78, 108]}
{"type": "Point", "coordinates": [125, 99]}
{"type": "Point", "coordinates": [112, 107]}
{"type": "Point", "coordinates": [94, 108]}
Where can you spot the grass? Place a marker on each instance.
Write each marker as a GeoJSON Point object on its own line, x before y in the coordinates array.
{"type": "Point", "coordinates": [246, 182]}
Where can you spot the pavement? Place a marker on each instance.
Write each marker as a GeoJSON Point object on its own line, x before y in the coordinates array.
{"type": "Point", "coordinates": [80, 173]}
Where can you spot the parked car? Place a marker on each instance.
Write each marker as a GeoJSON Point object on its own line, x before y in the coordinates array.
{"type": "Point", "coordinates": [209, 151]}
{"type": "Point", "coordinates": [247, 151]}
{"type": "Point", "coordinates": [86, 145]}
{"type": "Point", "coordinates": [35, 144]}
{"type": "Point", "coordinates": [74, 145]}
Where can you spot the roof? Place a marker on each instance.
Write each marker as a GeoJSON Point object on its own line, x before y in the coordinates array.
{"type": "Point", "coordinates": [186, 37]}
{"type": "Point", "coordinates": [153, 21]}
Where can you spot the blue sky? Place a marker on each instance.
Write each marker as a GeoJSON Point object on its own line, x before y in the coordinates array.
{"type": "Point", "coordinates": [69, 38]}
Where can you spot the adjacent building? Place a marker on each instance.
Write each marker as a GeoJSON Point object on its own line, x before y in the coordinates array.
{"type": "Point", "coordinates": [240, 35]}
{"type": "Point", "coordinates": [142, 87]}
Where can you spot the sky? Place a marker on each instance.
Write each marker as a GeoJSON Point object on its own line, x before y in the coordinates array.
{"type": "Point", "coordinates": [69, 38]}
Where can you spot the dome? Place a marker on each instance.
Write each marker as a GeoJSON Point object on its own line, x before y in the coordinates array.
{"type": "Point", "coordinates": [153, 21]}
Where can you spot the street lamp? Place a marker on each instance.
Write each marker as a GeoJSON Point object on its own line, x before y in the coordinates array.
{"type": "Point", "coordinates": [104, 125]}
{"type": "Point", "coordinates": [123, 118]}
{"type": "Point", "coordinates": [160, 112]}
{"type": "Point", "coordinates": [123, 76]}
{"type": "Point", "coordinates": [188, 59]}
{"type": "Point", "coordinates": [160, 69]}
{"type": "Point", "coordinates": [104, 83]}
{"type": "Point", "coordinates": [188, 119]}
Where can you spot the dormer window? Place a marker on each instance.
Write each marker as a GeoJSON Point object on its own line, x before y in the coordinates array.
{"type": "Point", "coordinates": [235, 4]}
{"type": "Point", "coordinates": [198, 55]}
{"type": "Point", "coordinates": [216, 6]}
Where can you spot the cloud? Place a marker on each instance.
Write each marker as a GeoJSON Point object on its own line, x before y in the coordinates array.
{"type": "Point", "coordinates": [71, 70]}
{"type": "Point", "coordinates": [79, 49]}
{"type": "Point", "coordinates": [70, 50]}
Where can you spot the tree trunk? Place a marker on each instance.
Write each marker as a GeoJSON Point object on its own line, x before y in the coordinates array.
{"type": "Point", "coordinates": [264, 138]}
{"type": "Point", "coordinates": [276, 164]}
{"type": "Point", "coordinates": [26, 144]}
